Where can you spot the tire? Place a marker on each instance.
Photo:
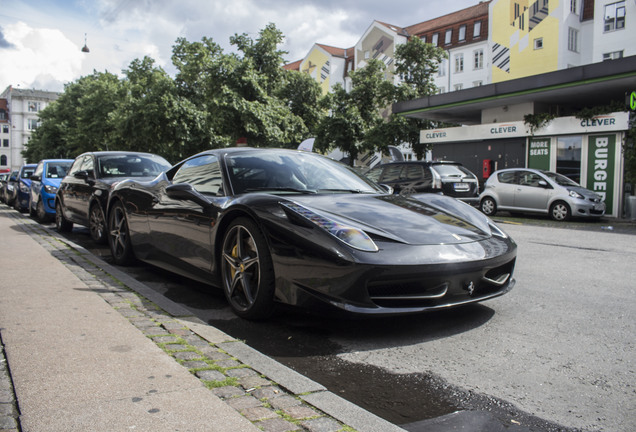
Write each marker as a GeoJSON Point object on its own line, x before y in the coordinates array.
{"type": "Point", "coordinates": [97, 224]}
{"type": "Point", "coordinates": [247, 272]}
{"type": "Point", "coordinates": [32, 211]}
{"type": "Point", "coordinates": [119, 236]}
{"type": "Point", "coordinates": [488, 206]}
{"type": "Point", "coordinates": [40, 213]}
{"type": "Point", "coordinates": [61, 223]}
{"type": "Point", "coordinates": [560, 211]}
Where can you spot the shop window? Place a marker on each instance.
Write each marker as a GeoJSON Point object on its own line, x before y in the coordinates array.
{"type": "Point", "coordinates": [569, 156]}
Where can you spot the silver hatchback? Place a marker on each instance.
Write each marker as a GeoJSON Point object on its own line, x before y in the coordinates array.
{"type": "Point", "coordinates": [527, 190]}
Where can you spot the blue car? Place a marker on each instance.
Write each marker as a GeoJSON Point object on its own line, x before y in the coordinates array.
{"type": "Point", "coordinates": [45, 182]}
{"type": "Point", "coordinates": [23, 189]}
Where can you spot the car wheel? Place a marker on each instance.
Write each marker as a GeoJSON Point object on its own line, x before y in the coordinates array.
{"type": "Point", "coordinates": [560, 211]}
{"type": "Point", "coordinates": [488, 206]}
{"type": "Point", "coordinates": [246, 270]}
{"type": "Point", "coordinates": [32, 211]}
{"type": "Point", "coordinates": [61, 223]}
{"type": "Point", "coordinates": [97, 224]}
{"type": "Point", "coordinates": [40, 212]}
{"type": "Point", "coordinates": [119, 238]}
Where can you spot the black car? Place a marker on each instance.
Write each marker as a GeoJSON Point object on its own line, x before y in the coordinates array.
{"type": "Point", "coordinates": [83, 194]}
{"type": "Point", "coordinates": [449, 178]}
{"type": "Point", "coordinates": [272, 225]}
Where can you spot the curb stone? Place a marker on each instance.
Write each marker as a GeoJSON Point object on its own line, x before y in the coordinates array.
{"type": "Point", "coordinates": [272, 396]}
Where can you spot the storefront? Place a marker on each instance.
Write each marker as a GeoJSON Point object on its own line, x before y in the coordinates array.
{"type": "Point", "coordinates": [587, 151]}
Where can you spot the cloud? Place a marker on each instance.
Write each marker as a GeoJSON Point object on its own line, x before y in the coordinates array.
{"type": "Point", "coordinates": [38, 57]}
{"type": "Point", "coordinates": [3, 42]}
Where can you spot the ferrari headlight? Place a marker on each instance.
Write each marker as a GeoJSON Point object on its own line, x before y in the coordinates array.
{"type": "Point", "coordinates": [575, 194]}
{"type": "Point", "coordinates": [354, 237]}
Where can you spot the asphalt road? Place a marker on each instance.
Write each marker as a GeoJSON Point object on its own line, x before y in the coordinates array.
{"type": "Point", "coordinates": [556, 353]}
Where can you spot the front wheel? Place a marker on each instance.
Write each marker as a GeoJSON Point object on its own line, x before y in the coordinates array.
{"type": "Point", "coordinates": [61, 223]}
{"type": "Point", "coordinates": [246, 270]}
{"type": "Point", "coordinates": [40, 212]}
{"type": "Point", "coordinates": [119, 238]}
{"type": "Point", "coordinates": [560, 211]}
{"type": "Point", "coordinates": [97, 224]}
{"type": "Point", "coordinates": [488, 206]}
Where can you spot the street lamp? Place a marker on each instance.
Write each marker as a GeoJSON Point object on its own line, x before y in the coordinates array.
{"type": "Point", "coordinates": [85, 47]}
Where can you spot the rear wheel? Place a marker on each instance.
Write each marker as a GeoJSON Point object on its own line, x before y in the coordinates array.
{"type": "Point", "coordinates": [97, 224]}
{"type": "Point", "coordinates": [560, 211]}
{"type": "Point", "coordinates": [41, 212]}
{"type": "Point", "coordinates": [32, 211]}
{"type": "Point", "coordinates": [119, 236]}
{"type": "Point", "coordinates": [61, 223]}
{"type": "Point", "coordinates": [247, 271]}
{"type": "Point", "coordinates": [488, 206]}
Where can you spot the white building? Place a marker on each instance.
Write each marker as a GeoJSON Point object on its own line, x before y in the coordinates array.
{"type": "Point", "coordinates": [22, 110]}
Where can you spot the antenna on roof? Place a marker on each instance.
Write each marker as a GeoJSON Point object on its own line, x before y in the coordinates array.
{"type": "Point", "coordinates": [85, 47]}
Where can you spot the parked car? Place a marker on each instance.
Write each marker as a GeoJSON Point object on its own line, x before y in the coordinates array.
{"type": "Point", "coordinates": [23, 187]}
{"type": "Point", "coordinates": [448, 178]}
{"type": "Point", "coordinates": [272, 225]}
{"type": "Point", "coordinates": [45, 182]}
{"type": "Point", "coordinates": [4, 178]}
{"type": "Point", "coordinates": [9, 188]}
{"type": "Point", "coordinates": [526, 190]}
{"type": "Point", "coordinates": [83, 194]}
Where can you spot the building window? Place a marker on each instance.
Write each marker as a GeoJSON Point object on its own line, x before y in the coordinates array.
{"type": "Point", "coordinates": [435, 40]}
{"type": "Point", "coordinates": [34, 106]}
{"type": "Point", "coordinates": [462, 33]}
{"type": "Point", "coordinates": [573, 8]}
{"type": "Point", "coordinates": [423, 37]}
{"type": "Point", "coordinates": [477, 30]}
{"type": "Point", "coordinates": [441, 90]}
{"type": "Point", "coordinates": [459, 63]}
{"type": "Point", "coordinates": [449, 36]}
{"type": "Point", "coordinates": [3, 160]}
{"type": "Point", "coordinates": [32, 124]}
{"type": "Point", "coordinates": [441, 71]}
{"type": "Point", "coordinates": [479, 59]}
{"type": "Point", "coordinates": [477, 83]}
{"type": "Point", "coordinates": [538, 43]}
{"type": "Point", "coordinates": [366, 55]}
{"type": "Point", "coordinates": [5, 128]}
{"type": "Point", "coordinates": [613, 55]}
{"type": "Point", "coordinates": [615, 16]}
{"type": "Point", "coordinates": [5, 143]}
{"type": "Point", "coordinates": [458, 87]}
{"type": "Point", "coordinates": [573, 39]}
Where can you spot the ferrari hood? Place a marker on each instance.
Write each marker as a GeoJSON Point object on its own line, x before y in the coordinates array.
{"type": "Point", "coordinates": [418, 219]}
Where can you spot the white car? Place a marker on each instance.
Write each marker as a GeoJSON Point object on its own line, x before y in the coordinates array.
{"type": "Point", "coordinates": [526, 190]}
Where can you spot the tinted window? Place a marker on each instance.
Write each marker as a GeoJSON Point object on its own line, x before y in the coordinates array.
{"type": "Point", "coordinates": [414, 172]}
{"type": "Point", "coordinates": [203, 173]}
{"type": "Point", "coordinates": [76, 165]}
{"type": "Point", "coordinates": [131, 165]}
{"type": "Point", "coordinates": [27, 172]}
{"type": "Point", "coordinates": [452, 171]}
{"type": "Point", "coordinates": [560, 179]}
{"type": "Point", "coordinates": [57, 169]}
{"type": "Point", "coordinates": [391, 173]}
{"type": "Point", "coordinates": [374, 173]}
{"type": "Point", "coordinates": [506, 177]}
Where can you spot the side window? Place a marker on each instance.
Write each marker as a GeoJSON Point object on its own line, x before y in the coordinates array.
{"type": "Point", "coordinates": [39, 170]}
{"type": "Point", "coordinates": [203, 174]}
{"type": "Point", "coordinates": [392, 173]}
{"type": "Point", "coordinates": [527, 178]}
{"type": "Point", "coordinates": [414, 172]}
{"type": "Point", "coordinates": [506, 177]}
{"type": "Point", "coordinates": [88, 165]}
{"type": "Point", "coordinates": [76, 166]}
{"type": "Point", "coordinates": [374, 174]}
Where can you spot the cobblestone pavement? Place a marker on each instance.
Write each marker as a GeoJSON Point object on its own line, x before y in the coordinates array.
{"type": "Point", "coordinates": [264, 402]}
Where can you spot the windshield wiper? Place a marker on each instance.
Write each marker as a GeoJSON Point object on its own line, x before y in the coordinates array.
{"type": "Point", "coordinates": [280, 189]}
{"type": "Point", "coordinates": [353, 191]}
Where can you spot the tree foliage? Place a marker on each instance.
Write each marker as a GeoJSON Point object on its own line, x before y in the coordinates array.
{"type": "Point", "coordinates": [217, 97]}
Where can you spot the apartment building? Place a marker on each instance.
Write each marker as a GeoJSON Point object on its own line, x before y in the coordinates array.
{"type": "Point", "coordinates": [20, 110]}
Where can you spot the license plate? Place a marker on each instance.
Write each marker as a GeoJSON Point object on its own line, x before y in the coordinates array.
{"type": "Point", "coordinates": [462, 186]}
{"type": "Point", "coordinates": [599, 207]}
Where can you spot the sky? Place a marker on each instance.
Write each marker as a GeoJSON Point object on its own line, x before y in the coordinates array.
{"type": "Point", "coordinates": [41, 40]}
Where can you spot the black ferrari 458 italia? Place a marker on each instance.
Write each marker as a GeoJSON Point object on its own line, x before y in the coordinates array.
{"type": "Point", "coordinates": [273, 225]}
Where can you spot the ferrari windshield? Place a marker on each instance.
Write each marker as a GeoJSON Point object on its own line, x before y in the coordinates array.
{"type": "Point", "coordinates": [288, 171]}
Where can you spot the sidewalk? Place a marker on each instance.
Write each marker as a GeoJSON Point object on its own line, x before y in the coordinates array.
{"type": "Point", "coordinates": [88, 348]}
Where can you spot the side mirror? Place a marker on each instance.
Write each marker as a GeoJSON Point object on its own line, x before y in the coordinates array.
{"type": "Point", "coordinates": [543, 183]}
{"type": "Point", "coordinates": [387, 188]}
{"type": "Point", "coordinates": [185, 192]}
{"type": "Point", "coordinates": [36, 177]}
{"type": "Point", "coordinates": [81, 175]}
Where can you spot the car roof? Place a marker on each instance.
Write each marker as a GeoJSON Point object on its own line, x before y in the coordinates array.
{"type": "Point", "coordinates": [428, 163]}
